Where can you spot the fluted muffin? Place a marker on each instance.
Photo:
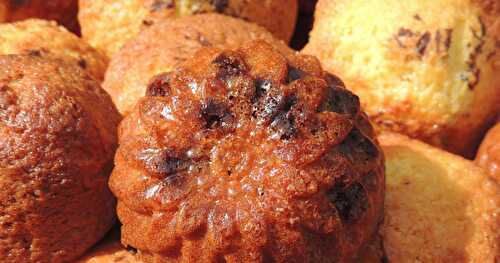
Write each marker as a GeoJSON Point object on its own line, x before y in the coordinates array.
{"type": "Point", "coordinates": [439, 207]}
{"type": "Point", "coordinates": [244, 155]}
{"type": "Point", "coordinates": [488, 156]}
{"type": "Point", "coordinates": [40, 36]}
{"type": "Point", "coordinates": [165, 45]}
{"type": "Point", "coordinates": [424, 68]}
{"type": "Point", "coordinates": [108, 24]}
{"type": "Point", "coordinates": [62, 11]}
{"type": "Point", "coordinates": [57, 141]}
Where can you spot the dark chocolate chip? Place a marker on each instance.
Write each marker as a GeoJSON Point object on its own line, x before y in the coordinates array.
{"type": "Point", "coordinates": [159, 86]}
{"type": "Point", "coordinates": [82, 63]}
{"type": "Point", "coordinates": [405, 32]}
{"type": "Point", "coordinates": [422, 43]}
{"type": "Point", "coordinates": [229, 66]}
{"type": "Point", "coordinates": [283, 126]}
{"type": "Point", "coordinates": [147, 22]}
{"type": "Point", "coordinates": [283, 121]}
{"type": "Point", "coordinates": [217, 114]}
{"type": "Point", "coordinates": [262, 86]}
{"type": "Point", "coordinates": [417, 17]}
{"type": "Point", "coordinates": [131, 249]}
{"type": "Point", "coordinates": [34, 53]}
{"type": "Point", "coordinates": [340, 101]}
{"type": "Point", "coordinates": [358, 148]}
{"type": "Point", "coordinates": [219, 5]}
{"type": "Point", "coordinates": [351, 203]}
{"type": "Point", "coordinates": [447, 41]}
{"type": "Point", "coordinates": [294, 74]}
{"type": "Point", "coordinates": [158, 5]}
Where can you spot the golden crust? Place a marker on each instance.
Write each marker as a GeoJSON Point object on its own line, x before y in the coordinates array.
{"type": "Point", "coordinates": [427, 70]}
{"type": "Point", "coordinates": [62, 11]}
{"type": "Point", "coordinates": [165, 45]}
{"type": "Point", "coordinates": [438, 207]}
{"type": "Point", "coordinates": [39, 36]}
{"type": "Point", "coordinates": [57, 141]}
{"type": "Point", "coordinates": [488, 156]}
{"type": "Point", "coordinates": [108, 24]}
{"type": "Point", "coordinates": [247, 156]}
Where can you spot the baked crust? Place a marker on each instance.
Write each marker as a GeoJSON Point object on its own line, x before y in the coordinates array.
{"type": "Point", "coordinates": [246, 155]}
{"type": "Point", "coordinates": [109, 24]}
{"type": "Point", "coordinates": [165, 45]}
{"type": "Point", "coordinates": [40, 36]}
{"type": "Point", "coordinates": [439, 207]}
{"type": "Point", "coordinates": [428, 70]}
{"type": "Point", "coordinates": [57, 141]}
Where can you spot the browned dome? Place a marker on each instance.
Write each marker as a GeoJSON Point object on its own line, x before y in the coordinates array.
{"type": "Point", "coordinates": [247, 155]}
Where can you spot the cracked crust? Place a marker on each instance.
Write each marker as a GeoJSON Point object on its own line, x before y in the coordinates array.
{"type": "Point", "coordinates": [57, 141]}
{"type": "Point", "coordinates": [246, 155]}
{"type": "Point", "coordinates": [165, 45]}
{"type": "Point", "coordinates": [428, 70]}
{"type": "Point", "coordinates": [439, 207]}
{"type": "Point", "coordinates": [109, 24]}
{"type": "Point", "coordinates": [42, 37]}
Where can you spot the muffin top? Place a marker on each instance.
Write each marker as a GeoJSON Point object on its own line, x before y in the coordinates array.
{"type": "Point", "coordinates": [165, 45]}
{"type": "Point", "coordinates": [249, 154]}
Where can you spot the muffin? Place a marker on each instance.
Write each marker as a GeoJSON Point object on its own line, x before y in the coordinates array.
{"type": "Point", "coordinates": [57, 141]}
{"type": "Point", "coordinates": [424, 68]}
{"type": "Point", "coordinates": [488, 156]}
{"type": "Point", "coordinates": [62, 11]}
{"type": "Point", "coordinates": [165, 45]}
{"type": "Point", "coordinates": [438, 207]}
{"type": "Point", "coordinates": [108, 24]}
{"type": "Point", "coordinates": [245, 155]}
{"type": "Point", "coordinates": [40, 36]}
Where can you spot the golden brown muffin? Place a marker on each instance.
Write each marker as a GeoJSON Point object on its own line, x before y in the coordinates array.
{"type": "Point", "coordinates": [245, 155]}
{"type": "Point", "coordinates": [40, 36]}
{"type": "Point", "coordinates": [165, 45]}
{"type": "Point", "coordinates": [438, 207]}
{"type": "Point", "coordinates": [57, 140]}
{"type": "Point", "coordinates": [424, 68]}
{"type": "Point", "coordinates": [108, 24]}
{"type": "Point", "coordinates": [488, 156]}
{"type": "Point", "coordinates": [62, 11]}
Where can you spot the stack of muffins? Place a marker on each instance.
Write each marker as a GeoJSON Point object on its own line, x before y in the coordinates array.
{"type": "Point", "coordinates": [195, 131]}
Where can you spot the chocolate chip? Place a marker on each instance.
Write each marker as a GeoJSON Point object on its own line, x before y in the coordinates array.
{"type": "Point", "coordinates": [340, 101]}
{"type": "Point", "coordinates": [216, 114]}
{"type": "Point", "coordinates": [131, 249]}
{"type": "Point", "coordinates": [283, 126]}
{"type": "Point", "coordinates": [229, 66]}
{"type": "Point", "coordinates": [166, 164]}
{"type": "Point", "coordinates": [82, 63]}
{"type": "Point", "coordinates": [447, 41]}
{"type": "Point", "coordinates": [351, 203]}
{"type": "Point", "coordinates": [283, 123]}
{"type": "Point", "coordinates": [405, 32]}
{"type": "Point", "coordinates": [294, 74]}
{"type": "Point", "coordinates": [262, 86]}
{"type": "Point", "coordinates": [159, 86]}
{"type": "Point", "coordinates": [34, 53]}
{"type": "Point", "coordinates": [422, 43]}
{"type": "Point", "coordinates": [219, 5]}
{"type": "Point", "coordinates": [358, 148]}
{"type": "Point", "coordinates": [158, 5]}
